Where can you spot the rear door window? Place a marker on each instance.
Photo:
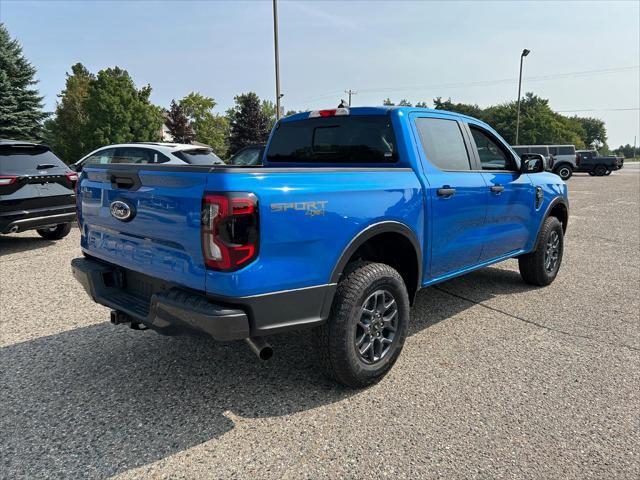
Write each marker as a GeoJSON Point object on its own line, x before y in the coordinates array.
{"type": "Point", "coordinates": [553, 150]}
{"type": "Point", "coordinates": [443, 143]}
{"type": "Point", "coordinates": [341, 139]}
{"type": "Point", "coordinates": [135, 155]}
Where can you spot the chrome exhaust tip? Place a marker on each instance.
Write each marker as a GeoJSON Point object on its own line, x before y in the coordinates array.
{"type": "Point", "coordinates": [262, 349]}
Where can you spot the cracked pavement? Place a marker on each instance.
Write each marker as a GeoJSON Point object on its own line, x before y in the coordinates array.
{"type": "Point", "coordinates": [497, 379]}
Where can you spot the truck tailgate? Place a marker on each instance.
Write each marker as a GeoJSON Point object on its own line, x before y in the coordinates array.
{"type": "Point", "coordinates": [146, 220]}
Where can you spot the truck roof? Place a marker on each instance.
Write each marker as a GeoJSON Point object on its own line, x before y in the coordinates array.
{"type": "Point", "coordinates": [379, 110]}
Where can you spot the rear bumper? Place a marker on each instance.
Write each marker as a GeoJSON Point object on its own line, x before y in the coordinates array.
{"type": "Point", "coordinates": [21, 220]}
{"type": "Point", "coordinates": [172, 310]}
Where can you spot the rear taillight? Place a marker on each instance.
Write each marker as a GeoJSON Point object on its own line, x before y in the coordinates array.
{"type": "Point", "coordinates": [72, 178]}
{"type": "Point", "coordinates": [577, 160]}
{"type": "Point", "coordinates": [7, 180]}
{"type": "Point", "coordinates": [230, 230]}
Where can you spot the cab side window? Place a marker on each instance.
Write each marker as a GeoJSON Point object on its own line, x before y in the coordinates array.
{"type": "Point", "coordinates": [443, 143]}
{"type": "Point", "coordinates": [493, 156]}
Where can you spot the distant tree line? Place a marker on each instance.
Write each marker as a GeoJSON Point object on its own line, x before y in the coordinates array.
{"type": "Point", "coordinates": [106, 107]}
{"type": "Point", "coordinates": [538, 123]}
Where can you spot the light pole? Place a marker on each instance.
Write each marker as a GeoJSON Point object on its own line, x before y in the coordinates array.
{"type": "Point", "coordinates": [525, 52]}
{"type": "Point", "coordinates": [275, 43]}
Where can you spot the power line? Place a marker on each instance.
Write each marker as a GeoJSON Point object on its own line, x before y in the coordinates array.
{"type": "Point", "coordinates": [484, 83]}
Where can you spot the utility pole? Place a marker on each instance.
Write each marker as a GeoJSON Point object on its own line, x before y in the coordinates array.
{"type": "Point", "coordinates": [350, 92]}
{"type": "Point", "coordinates": [634, 146]}
{"type": "Point", "coordinates": [275, 43]}
{"type": "Point", "coordinates": [525, 52]}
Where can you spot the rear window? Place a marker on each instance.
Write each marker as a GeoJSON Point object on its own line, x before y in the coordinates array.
{"type": "Point", "coordinates": [16, 159]}
{"type": "Point", "coordinates": [542, 150]}
{"type": "Point", "coordinates": [566, 150]}
{"type": "Point", "coordinates": [199, 156]}
{"type": "Point", "coordinates": [342, 139]}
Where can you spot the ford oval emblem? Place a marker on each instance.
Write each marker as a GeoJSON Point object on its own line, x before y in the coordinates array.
{"type": "Point", "coordinates": [121, 210]}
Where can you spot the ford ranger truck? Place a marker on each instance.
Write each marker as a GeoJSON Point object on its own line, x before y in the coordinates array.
{"type": "Point", "coordinates": [352, 212]}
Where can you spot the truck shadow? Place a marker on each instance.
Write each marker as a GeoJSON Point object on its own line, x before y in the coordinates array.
{"type": "Point", "coordinates": [99, 400]}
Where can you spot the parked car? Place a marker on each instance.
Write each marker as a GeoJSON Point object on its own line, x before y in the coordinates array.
{"type": "Point", "coordinates": [590, 161]}
{"type": "Point", "coordinates": [538, 149]}
{"type": "Point", "coordinates": [150, 153]}
{"type": "Point", "coordinates": [562, 158]}
{"type": "Point", "coordinates": [36, 190]}
{"type": "Point", "coordinates": [565, 160]}
{"type": "Point", "coordinates": [353, 212]}
{"type": "Point", "coordinates": [250, 155]}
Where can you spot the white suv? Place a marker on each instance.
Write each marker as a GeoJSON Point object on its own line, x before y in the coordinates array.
{"type": "Point", "coordinates": [150, 152]}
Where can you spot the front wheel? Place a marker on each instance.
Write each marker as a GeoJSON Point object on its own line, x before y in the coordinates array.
{"type": "Point", "coordinates": [541, 266]}
{"type": "Point", "coordinates": [564, 172]}
{"type": "Point", "coordinates": [55, 233]}
{"type": "Point", "coordinates": [368, 325]}
{"type": "Point", "coordinates": [608, 172]}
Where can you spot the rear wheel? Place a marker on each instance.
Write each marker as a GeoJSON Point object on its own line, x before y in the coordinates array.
{"type": "Point", "coordinates": [600, 170]}
{"type": "Point", "coordinates": [55, 233]}
{"type": "Point", "coordinates": [608, 172]}
{"type": "Point", "coordinates": [541, 266]}
{"type": "Point", "coordinates": [592, 174]}
{"type": "Point", "coordinates": [368, 324]}
{"type": "Point", "coordinates": [564, 172]}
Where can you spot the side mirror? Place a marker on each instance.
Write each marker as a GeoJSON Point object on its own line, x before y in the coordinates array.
{"type": "Point", "coordinates": [532, 163]}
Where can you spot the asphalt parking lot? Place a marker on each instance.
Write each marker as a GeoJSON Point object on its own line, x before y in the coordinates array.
{"type": "Point", "coordinates": [497, 379]}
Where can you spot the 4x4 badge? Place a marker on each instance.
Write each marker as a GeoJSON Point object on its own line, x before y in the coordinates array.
{"type": "Point", "coordinates": [122, 210]}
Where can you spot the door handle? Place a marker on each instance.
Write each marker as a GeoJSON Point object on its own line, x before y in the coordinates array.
{"type": "Point", "coordinates": [446, 192]}
{"type": "Point", "coordinates": [497, 188]}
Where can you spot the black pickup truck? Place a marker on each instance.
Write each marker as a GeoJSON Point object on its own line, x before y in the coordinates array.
{"type": "Point", "coordinates": [591, 162]}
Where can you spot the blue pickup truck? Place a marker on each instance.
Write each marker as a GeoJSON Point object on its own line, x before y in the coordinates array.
{"type": "Point", "coordinates": [353, 211]}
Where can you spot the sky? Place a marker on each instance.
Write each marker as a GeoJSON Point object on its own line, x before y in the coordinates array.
{"type": "Point", "coordinates": [585, 56]}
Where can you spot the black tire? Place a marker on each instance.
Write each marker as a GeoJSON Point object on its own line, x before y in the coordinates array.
{"type": "Point", "coordinates": [564, 171]}
{"type": "Point", "coordinates": [55, 233]}
{"type": "Point", "coordinates": [608, 172]}
{"type": "Point", "coordinates": [592, 174]}
{"type": "Point", "coordinates": [336, 339]}
{"type": "Point", "coordinates": [600, 170]}
{"type": "Point", "coordinates": [534, 268]}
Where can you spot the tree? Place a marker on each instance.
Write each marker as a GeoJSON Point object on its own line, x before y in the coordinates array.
{"type": "Point", "coordinates": [387, 102]}
{"type": "Point", "coordinates": [626, 151]}
{"type": "Point", "coordinates": [20, 104]}
{"type": "Point", "coordinates": [404, 103]}
{"type": "Point", "coordinates": [210, 128]}
{"type": "Point", "coordinates": [64, 132]}
{"type": "Point", "coordinates": [178, 124]}
{"type": "Point", "coordinates": [248, 122]}
{"type": "Point", "coordinates": [119, 113]}
{"type": "Point", "coordinates": [463, 108]}
{"type": "Point", "coordinates": [594, 132]}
